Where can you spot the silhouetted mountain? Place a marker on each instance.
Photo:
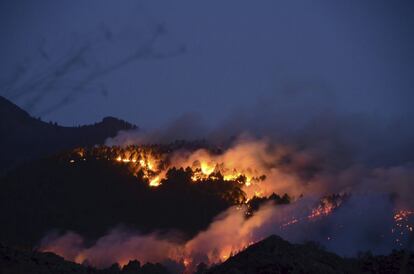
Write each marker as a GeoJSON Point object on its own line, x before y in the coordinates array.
{"type": "Point", "coordinates": [23, 137]}
{"type": "Point", "coordinates": [275, 255]}
{"type": "Point", "coordinates": [14, 261]}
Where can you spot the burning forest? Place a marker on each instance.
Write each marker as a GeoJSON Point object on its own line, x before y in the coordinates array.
{"type": "Point", "coordinates": [269, 189]}
{"type": "Point", "coordinates": [206, 137]}
{"type": "Point", "coordinates": [186, 204]}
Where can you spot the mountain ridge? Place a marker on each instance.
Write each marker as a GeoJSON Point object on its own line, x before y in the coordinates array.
{"type": "Point", "coordinates": [24, 138]}
{"type": "Point", "coordinates": [276, 255]}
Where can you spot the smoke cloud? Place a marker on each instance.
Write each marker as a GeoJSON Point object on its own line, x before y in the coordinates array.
{"type": "Point", "coordinates": [308, 155]}
{"type": "Point", "coordinates": [363, 222]}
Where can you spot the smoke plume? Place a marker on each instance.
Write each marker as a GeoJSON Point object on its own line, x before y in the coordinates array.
{"type": "Point", "coordinates": [308, 158]}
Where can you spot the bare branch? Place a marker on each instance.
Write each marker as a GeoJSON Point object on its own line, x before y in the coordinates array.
{"type": "Point", "coordinates": [77, 69]}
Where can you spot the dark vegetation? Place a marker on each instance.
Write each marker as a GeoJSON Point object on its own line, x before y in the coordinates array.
{"type": "Point", "coordinates": [398, 261]}
{"type": "Point", "coordinates": [90, 197]}
{"type": "Point", "coordinates": [256, 202]}
{"type": "Point", "coordinates": [24, 138]}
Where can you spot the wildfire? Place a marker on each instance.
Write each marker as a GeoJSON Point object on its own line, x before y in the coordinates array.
{"type": "Point", "coordinates": [327, 205]}
{"type": "Point", "coordinates": [403, 215]}
{"type": "Point", "coordinates": [154, 162]}
{"type": "Point", "coordinates": [207, 168]}
{"type": "Point", "coordinates": [155, 181]}
{"type": "Point", "coordinates": [138, 158]}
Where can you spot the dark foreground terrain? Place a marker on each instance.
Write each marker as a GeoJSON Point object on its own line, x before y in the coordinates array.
{"type": "Point", "coordinates": [13, 261]}
{"type": "Point", "coordinates": [272, 255]}
{"type": "Point", "coordinates": [91, 197]}
{"type": "Point", "coordinates": [275, 255]}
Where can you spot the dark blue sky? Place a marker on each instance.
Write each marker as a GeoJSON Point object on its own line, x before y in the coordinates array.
{"type": "Point", "coordinates": [299, 57]}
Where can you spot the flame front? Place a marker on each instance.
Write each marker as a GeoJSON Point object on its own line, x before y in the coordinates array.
{"type": "Point", "coordinates": [154, 164]}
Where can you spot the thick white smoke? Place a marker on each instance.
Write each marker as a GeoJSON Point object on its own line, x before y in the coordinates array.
{"type": "Point", "coordinates": [325, 155]}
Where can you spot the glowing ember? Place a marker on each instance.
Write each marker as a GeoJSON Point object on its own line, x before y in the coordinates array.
{"type": "Point", "coordinates": [327, 205]}
{"type": "Point", "coordinates": [403, 225]}
{"type": "Point", "coordinates": [291, 222]}
{"type": "Point", "coordinates": [321, 210]}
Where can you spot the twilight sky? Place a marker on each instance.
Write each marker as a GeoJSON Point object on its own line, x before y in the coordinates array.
{"type": "Point", "coordinates": [299, 56]}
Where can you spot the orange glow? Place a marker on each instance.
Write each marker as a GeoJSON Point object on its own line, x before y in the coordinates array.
{"type": "Point", "coordinates": [257, 171]}
{"type": "Point", "coordinates": [321, 210]}
{"type": "Point", "coordinates": [187, 262]}
{"type": "Point", "coordinates": [207, 168]}
{"type": "Point", "coordinates": [154, 165]}
{"type": "Point", "coordinates": [155, 182]}
{"type": "Point", "coordinates": [326, 206]}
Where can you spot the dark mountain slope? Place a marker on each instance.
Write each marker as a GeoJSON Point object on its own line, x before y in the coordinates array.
{"type": "Point", "coordinates": [23, 137]}
{"type": "Point", "coordinates": [93, 196]}
{"type": "Point", "coordinates": [275, 255]}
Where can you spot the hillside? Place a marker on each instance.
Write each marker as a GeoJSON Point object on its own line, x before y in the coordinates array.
{"type": "Point", "coordinates": [92, 196]}
{"type": "Point", "coordinates": [275, 255]}
{"type": "Point", "coordinates": [23, 138]}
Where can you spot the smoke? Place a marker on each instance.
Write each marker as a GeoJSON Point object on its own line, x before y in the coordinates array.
{"type": "Point", "coordinates": [363, 223]}
{"type": "Point", "coordinates": [229, 233]}
{"type": "Point", "coordinates": [118, 246]}
{"type": "Point", "coordinates": [304, 118]}
{"type": "Point", "coordinates": [295, 169]}
{"type": "Point", "coordinates": [308, 155]}
{"type": "Point", "coordinates": [188, 127]}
